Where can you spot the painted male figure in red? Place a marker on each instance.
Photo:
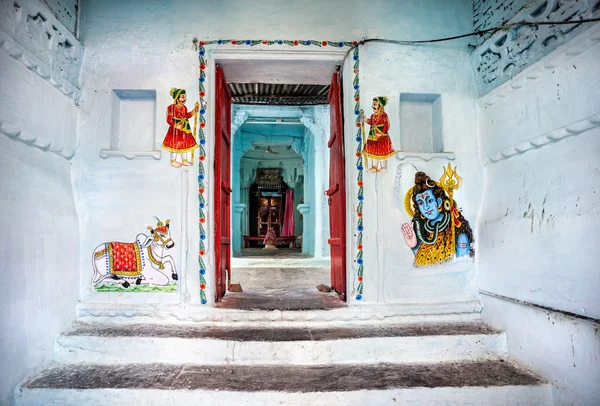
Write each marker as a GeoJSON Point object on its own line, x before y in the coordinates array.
{"type": "Point", "coordinates": [378, 146]}
{"type": "Point", "coordinates": [179, 139]}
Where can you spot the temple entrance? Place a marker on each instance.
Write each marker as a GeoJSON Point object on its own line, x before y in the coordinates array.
{"type": "Point", "coordinates": [287, 250]}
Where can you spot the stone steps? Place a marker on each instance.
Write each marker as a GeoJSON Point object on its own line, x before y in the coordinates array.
{"type": "Point", "coordinates": [202, 345]}
{"type": "Point", "coordinates": [491, 382]}
{"type": "Point", "coordinates": [275, 363]}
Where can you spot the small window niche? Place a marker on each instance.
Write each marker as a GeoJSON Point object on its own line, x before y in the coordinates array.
{"type": "Point", "coordinates": [421, 126]}
{"type": "Point", "coordinates": [133, 125]}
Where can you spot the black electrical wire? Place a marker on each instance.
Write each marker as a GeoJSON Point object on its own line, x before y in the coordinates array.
{"type": "Point", "coordinates": [481, 32]}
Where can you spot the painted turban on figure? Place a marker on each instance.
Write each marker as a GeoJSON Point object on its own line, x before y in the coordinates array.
{"type": "Point", "coordinates": [439, 233]}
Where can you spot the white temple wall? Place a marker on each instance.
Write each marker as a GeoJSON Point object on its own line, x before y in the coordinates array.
{"type": "Point", "coordinates": [40, 246]}
{"type": "Point", "coordinates": [417, 75]}
{"type": "Point", "coordinates": [130, 46]}
{"type": "Point", "coordinates": [538, 231]}
{"type": "Point", "coordinates": [399, 72]}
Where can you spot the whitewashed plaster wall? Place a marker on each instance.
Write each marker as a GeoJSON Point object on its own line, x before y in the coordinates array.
{"type": "Point", "coordinates": [148, 45]}
{"type": "Point", "coordinates": [153, 24]}
{"type": "Point", "coordinates": [538, 231]}
{"type": "Point", "coordinates": [40, 252]}
{"type": "Point", "coordinates": [389, 275]}
{"type": "Point", "coordinates": [39, 67]}
{"type": "Point", "coordinates": [118, 197]}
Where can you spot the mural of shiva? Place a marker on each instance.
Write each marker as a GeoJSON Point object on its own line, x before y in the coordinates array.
{"type": "Point", "coordinates": [439, 233]}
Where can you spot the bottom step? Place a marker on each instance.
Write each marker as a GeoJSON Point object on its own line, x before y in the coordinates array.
{"type": "Point", "coordinates": [467, 383]}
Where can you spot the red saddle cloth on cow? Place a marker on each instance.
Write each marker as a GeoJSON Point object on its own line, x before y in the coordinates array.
{"type": "Point", "coordinates": [124, 258]}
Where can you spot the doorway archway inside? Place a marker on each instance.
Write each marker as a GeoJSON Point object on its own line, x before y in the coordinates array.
{"type": "Point", "coordinates": [317, 150]}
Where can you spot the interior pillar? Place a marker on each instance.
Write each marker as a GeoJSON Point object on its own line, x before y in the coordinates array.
{"type": "Point", "coordinates": [236, 225]}
{"type": "Point", "coordinates": [306, 235]}
{"type": "Point", "coordinates": [318, 168]}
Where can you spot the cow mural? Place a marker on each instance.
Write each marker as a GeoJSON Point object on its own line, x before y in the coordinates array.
{"type": "Point", "coordinates": [142, 262]}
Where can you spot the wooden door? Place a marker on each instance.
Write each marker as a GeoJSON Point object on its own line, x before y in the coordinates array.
{"type": "Point", "coordinates": [337, 189]}
{"type": "Point", "coordinates": [222, 186]}
{"type": "Point", "coordinates": [269, 215]}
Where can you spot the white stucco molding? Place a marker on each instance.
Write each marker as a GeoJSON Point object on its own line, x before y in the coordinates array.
{"type": "Point", "coordinates": [41, 143]}
{"type": "Point", "coordinates": [398, 312]}
{"type": "Point", "coordinates": [32, 35]}
{"type": "Point", "coordinates": [562, 55]}
{"type": "Point", "coordinates": [314, 124]}
{"type": "Point", "coordinates": [425, 156]}
{"type": "Point", "coordinates": [586, 41]}
{"type": "Point", "coordinates": [507, 53]}
{"type": "Point", "coordinates": [109, 153]}
{"type": "Point", "coordinates": [238, 119]}
{"type": "Point", "coordinates": [551, 137]}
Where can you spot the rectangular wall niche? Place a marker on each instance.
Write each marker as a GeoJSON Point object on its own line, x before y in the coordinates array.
{"type": "Point", "coordinates": [133, 120]}
{"type": "Point", "coordinates": [421, 123]}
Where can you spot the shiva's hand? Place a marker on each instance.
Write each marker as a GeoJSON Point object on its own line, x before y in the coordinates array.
{"type": "Point", "coordinates": [409, 235]}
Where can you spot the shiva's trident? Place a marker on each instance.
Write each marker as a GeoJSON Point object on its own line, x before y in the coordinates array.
{"type": "Point", "coordinates": [450, 181]}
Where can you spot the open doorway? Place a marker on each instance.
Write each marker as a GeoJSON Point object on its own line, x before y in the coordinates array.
{"type": "Point", "coordinates": [279, 177]}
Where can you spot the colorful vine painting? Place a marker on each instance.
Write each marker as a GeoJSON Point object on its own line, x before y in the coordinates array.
{"type": "Point", "coordinates": [360, 168]}
{"type": "Point", "coordinates": [202, 141]}
{"type": "Point", "coordinates": [201, 175]}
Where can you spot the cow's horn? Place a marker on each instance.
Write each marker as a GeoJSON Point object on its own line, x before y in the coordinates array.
{"type": "Point", "coordinates": [151, 230]}
{"type": "Point", "coordinates": [167, 224]}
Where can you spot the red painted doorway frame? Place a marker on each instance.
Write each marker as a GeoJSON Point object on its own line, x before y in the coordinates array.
{"type": "Point", "coordinates": [337, 189]}
{"type": "Point", "coordinates": [222, 186]}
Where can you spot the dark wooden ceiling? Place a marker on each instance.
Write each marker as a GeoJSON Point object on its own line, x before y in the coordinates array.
{"type": "Point", "coordinates": [278, 94]}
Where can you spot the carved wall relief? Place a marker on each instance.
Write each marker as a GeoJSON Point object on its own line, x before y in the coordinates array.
{"type": "Point", "coordinates": [506, 53]}
{"type": "Point", "coordinates": [33, 35]}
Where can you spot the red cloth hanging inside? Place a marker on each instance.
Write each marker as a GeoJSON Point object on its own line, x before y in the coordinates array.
{"type": "Point", "coordinates": [288, 216]}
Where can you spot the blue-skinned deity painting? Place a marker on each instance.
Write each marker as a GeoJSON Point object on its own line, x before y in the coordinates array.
{"type": "Point", "coordinates": [439, 233]}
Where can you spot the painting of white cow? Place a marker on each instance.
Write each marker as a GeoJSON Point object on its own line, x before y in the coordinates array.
{"type": "Point", "coordinates": [139, 266]}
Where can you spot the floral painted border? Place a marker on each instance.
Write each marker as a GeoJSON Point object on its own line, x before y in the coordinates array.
{"type": "Point", "coordinates": [253, 42]}
{"type": "Point", "coordinates": [202, 142]}
{"type": "Point", "coordinates": [202, 175]}
{"type": "Point", "coordinates": [359, 180]}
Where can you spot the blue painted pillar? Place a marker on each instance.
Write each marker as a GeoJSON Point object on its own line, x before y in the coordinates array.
{"type": "Point", "coordinates": [316, 120]}
{"type": "Point", "coordinates": [306, 220]}
{"type": "Point", "coordinates": [308, 240]}
{"type": "Point", "coordinates": [238, 209]}
{"type": "Point", "coordinates": [238, 118]}
{"type": "Point", "coordinates": [236, 223]}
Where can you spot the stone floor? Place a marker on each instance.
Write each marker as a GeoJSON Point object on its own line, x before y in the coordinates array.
{"type": "Point", "coordinates": [278, 253]}
{"type": "Point", "coordinates": [242, 378]}
{"type": "Point", "coordinates": [273, 288]}
{"type": "Point", "coordinates": [282, 257]}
